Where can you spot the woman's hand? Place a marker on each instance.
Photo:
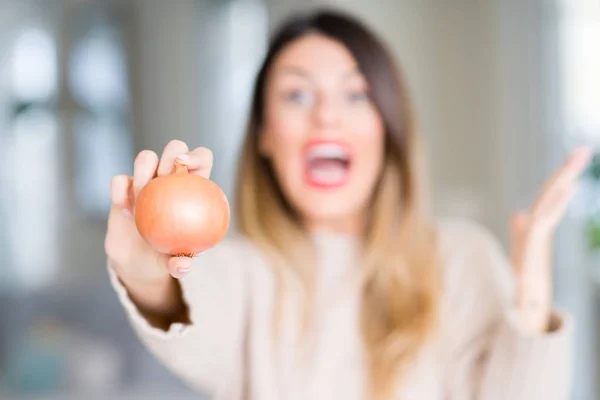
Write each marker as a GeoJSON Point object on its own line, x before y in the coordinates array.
{"type": "Point", "coordinates": [147, 274]}
{"type": "Point", "coordinates": [532, 235]}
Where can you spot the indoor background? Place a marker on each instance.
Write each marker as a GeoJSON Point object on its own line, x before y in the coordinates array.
{"type": "Point", "coordinates": [504, 89]}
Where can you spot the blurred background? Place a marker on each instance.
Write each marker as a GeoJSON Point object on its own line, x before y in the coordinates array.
{"type": "Point", "coordinates": [504, 89]}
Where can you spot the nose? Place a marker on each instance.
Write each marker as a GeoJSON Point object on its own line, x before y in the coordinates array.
{"type": "Point", "coordinates": [326, 112]}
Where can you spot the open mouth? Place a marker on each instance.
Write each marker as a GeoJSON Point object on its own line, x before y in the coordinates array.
{"type": "Point", "coordinates": [327, 164]}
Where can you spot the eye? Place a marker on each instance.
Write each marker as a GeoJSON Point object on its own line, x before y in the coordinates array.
{"type": "Point", "coordinates": [357, 96]}
{"type": "Point", "coordinates": [299, 96]}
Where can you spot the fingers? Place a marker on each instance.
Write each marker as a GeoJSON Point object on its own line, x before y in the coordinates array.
{"type": "Point", "coordinates": [199, 161]}
{"type": "Point", "coordinates": [170, 153]}
{"type": "Point", "coordinates": [560, 185]}
{"type": "Point", "coordinates": [574, 166]}
{"type": "Point", "coordinates": [519, 222]}
{"type": "Point", "coordinates": [144, 170]}
{"type": "Point", "coordinates": [147, 166]}
{"type": "Point", "coordinates": [558, 203]}
{"type": "Point", "coordinates": [518, 228]}
{"type": "Point", "coordinates": [119, 190]}
{"type": "Point", "coordinates": [179, 266]}
{"type": "Point", "coordinates": [121, 193]}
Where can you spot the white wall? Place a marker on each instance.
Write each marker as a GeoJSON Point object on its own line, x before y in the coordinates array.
{"type": "Point", "coordinates": [195, 64]}
{"type": "Point", "coordinates": [167, 72]}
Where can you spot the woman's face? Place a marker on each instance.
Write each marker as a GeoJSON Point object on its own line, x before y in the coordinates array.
{"type": "Point", "coordinates": [322, 133]}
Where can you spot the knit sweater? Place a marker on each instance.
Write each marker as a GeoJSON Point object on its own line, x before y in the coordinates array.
{"type": "Point", "coordinates": [479, 353]}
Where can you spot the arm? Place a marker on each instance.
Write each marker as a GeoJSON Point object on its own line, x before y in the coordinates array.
{"type": "Point", "coordinates": [190, 313]}
{"type": "Point", "coordinates": [489, 354]}
{"type": "Point", "coordinates": [202, 343]}
{"type": "Point", "coordinates": [160, 302]}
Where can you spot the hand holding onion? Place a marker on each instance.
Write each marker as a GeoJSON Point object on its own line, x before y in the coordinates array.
{"type": "Point", "coordinates": [178, 211]}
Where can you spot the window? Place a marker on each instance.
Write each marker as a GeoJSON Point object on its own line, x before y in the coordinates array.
{"type": "Point", "coordinates": [98, 81]}
{"type": "Point", "coordinates": [31, 196]}
{"type": "Point", "coordinates": [580, 40]}
{"type": "Point", "coordinates": [580, 66]}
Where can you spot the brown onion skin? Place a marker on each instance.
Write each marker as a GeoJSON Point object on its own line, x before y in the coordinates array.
{"type": "Point", "coordinates": [182, 214]}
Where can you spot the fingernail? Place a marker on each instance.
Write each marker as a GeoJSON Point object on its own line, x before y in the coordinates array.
{"type": "Point", "coordinates": [182, 271]}
{"type": "Point", "coordinates": [183, 157]}
{"type": "Point", "coordinates": [126, 212]}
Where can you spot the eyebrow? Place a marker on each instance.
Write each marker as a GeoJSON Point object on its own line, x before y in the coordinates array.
{"type": "Point", "coordinates": [293, 71]}
{"type": "Point", "coordinates": [302, 73]}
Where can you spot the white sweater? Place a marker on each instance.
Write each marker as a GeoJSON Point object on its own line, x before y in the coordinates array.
{"type": "Point", "coordinates": [227, 353]}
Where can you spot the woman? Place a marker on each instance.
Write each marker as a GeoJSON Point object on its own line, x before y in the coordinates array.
{"type": "Point", "coordinates": [337, 284]}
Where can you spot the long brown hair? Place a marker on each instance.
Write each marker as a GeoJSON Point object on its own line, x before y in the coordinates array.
{"type": "Point", "coordinates": [400, 280]}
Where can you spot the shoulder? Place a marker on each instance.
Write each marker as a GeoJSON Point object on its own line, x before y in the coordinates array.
{"type": "Point", "coordinates": [465, 235]}
{"type": "Point", "coordinates": [464, 243]}
{"type": "Point", "coordinates": [235, 247]}
{"type": "Point", "coordinates": [233, 265]}
{"type": "Point", "coordinates": [473, 261]}
{"type": "Point", "coordinates": [236, 254]}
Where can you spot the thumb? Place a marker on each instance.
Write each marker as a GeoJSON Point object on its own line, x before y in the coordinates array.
{"type": "Point", "coordinates": [179, 266]}
{"type": "Point", "coordinates": [519, 222]}
{"type": "Point", "coordinates": [518, 228]}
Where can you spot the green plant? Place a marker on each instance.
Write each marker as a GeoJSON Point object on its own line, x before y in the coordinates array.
{"type": "Point", "coordinates": [593, 231]}
{"type": "Point", "coordinates": [593, 170]}
{"type": "Point", "coordinates": [593, 222]}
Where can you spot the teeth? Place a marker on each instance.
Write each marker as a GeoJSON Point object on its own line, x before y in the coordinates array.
{"type": "Point", "coordinates": [328, 150]}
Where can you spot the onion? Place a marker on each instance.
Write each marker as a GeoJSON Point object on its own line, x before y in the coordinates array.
{"type": "Point", "coordinates": [182, 214]}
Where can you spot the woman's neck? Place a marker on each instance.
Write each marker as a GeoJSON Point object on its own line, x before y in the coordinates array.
{"type": "Point", "coordinates": [345, 226]}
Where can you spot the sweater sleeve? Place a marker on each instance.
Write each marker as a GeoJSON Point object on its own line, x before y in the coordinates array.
{"type": "Point", "coordinates": [207, 353]}
{"type": "Point", "coordinates": [488, 356]}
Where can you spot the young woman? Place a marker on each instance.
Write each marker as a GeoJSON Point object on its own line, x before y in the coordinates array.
{"type": "Point", "coordinates": [337, 284]}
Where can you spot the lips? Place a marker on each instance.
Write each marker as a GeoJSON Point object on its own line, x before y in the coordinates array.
{"type": "Point", "coordinates": [326, 164]}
